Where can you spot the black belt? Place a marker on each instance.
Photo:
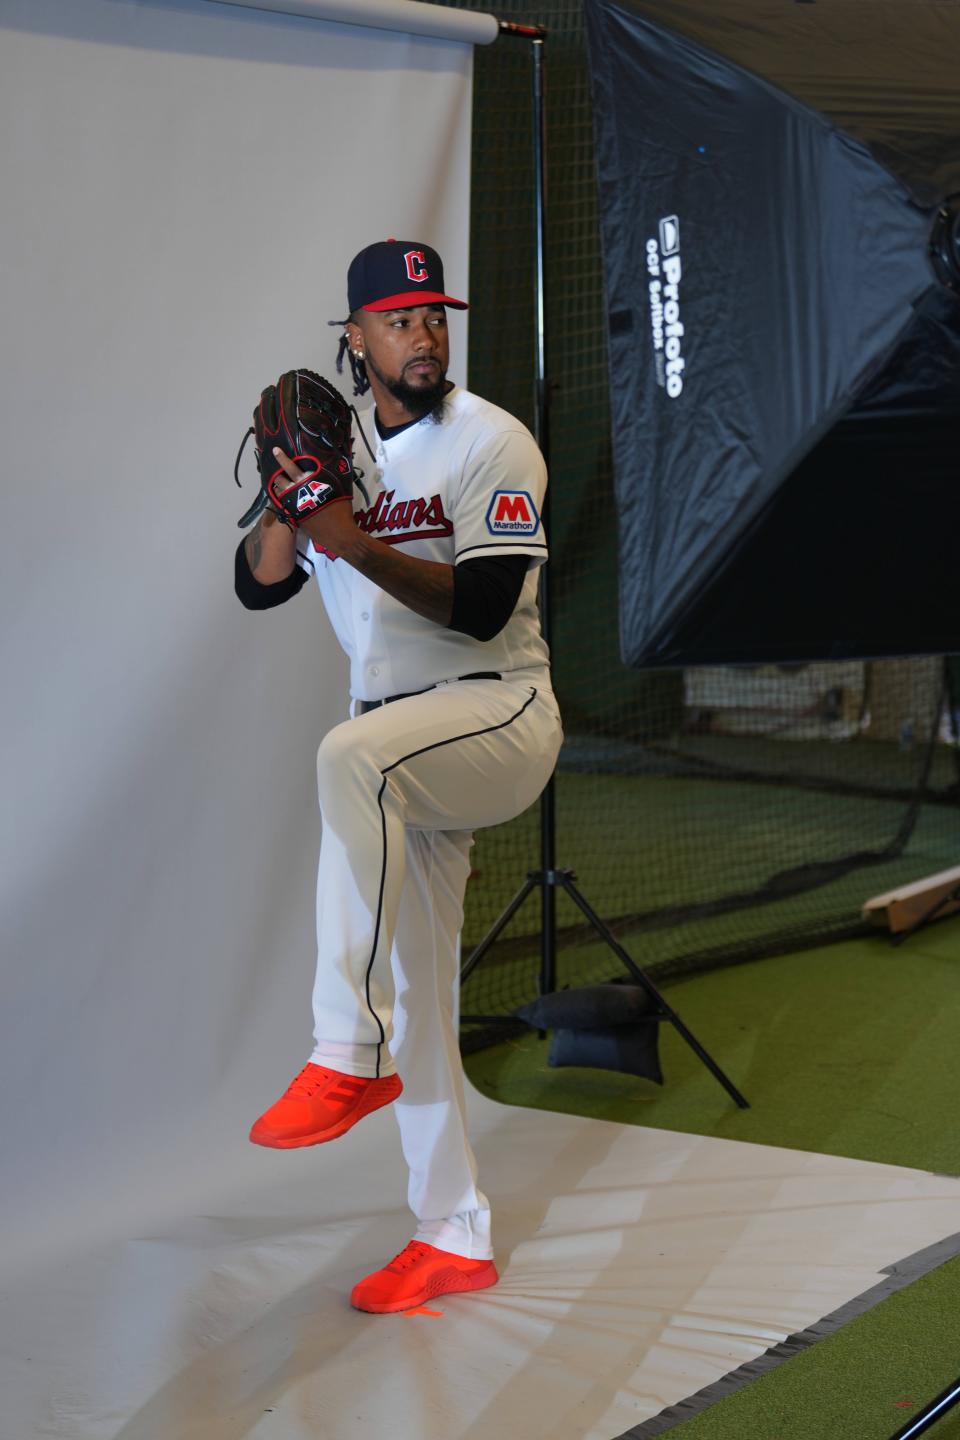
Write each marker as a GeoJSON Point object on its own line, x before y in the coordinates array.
{"type": "Point", "coordinates": [364, 705]}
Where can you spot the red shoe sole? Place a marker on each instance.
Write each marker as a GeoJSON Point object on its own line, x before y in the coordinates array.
{"type": "Point", "coordinates": [370, 1102]}
{"type": "Point", "coordinates": [446, 1282]}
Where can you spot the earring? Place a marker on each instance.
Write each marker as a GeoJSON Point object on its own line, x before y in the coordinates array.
{"type": "Point", "coordinates": [359, 354]}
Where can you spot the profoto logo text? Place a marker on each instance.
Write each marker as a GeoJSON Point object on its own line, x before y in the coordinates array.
{"type": "Point", "coordinates": [665, 270]}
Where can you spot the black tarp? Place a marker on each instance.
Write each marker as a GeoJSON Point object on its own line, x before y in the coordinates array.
{"type": "Point", "coordinates": [784, 363]}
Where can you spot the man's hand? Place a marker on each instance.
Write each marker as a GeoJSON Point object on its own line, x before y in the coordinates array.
{"type": "Point", "coordinates": [424, 586]}
{"type": "Point", "coordinates": [332, 526]}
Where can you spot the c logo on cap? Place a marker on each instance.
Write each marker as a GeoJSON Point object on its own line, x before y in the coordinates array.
{"type": "Point", "coordinates": [416, 263]}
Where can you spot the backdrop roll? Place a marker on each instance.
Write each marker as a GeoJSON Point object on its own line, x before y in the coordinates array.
{"type": "Point", "coordinates": [184, 187]}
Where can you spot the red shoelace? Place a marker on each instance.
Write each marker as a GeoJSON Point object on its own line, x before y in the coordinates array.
{"type": "Point", "coordinates": [412, 1252]}
{"type": "Point", "coordinates": [314, 1077]}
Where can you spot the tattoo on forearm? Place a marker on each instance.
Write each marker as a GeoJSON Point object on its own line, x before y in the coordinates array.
{"type": "Point", "coordinates": [253, 545]}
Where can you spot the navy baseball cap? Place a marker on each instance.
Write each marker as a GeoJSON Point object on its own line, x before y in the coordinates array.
{"type": "Point", "coordinates": [392, 274]}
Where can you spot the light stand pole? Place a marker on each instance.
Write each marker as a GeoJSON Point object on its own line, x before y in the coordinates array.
{"type": "Point", "coordinates": [548, 812]}
{"type": "Point", "coordinates": [930, 1414]}
{"type": "Point", "coordinates": [549, 876]}
{"type": "Point", "coordinates": [541, 431]}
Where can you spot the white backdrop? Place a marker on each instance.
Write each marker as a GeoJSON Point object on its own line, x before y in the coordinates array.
{"type": "Point", "coordinates": [183, 186]}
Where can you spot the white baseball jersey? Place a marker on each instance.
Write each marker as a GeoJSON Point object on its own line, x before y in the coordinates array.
{"type": "Point", "coordinates": [402, 786]}
{"type": "Point", "coordinates": [468, 486]}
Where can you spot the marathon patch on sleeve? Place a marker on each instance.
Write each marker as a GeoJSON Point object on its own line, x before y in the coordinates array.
{"type": "Point", "coordinates": [512, 512]}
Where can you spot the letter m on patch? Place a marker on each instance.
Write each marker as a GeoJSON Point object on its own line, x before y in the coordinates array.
{"type": "Point", "coordinates": [513, 507]}
{"type": "Point", "coordinates": [512, 512]}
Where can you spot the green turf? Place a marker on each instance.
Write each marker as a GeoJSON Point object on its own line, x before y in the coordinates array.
{"type": "Point", "coordinates": [722, 838]}
{"type": "Point", "coordinates": [724, 841]}
{"type": "Point", "coordinates": [852, 1050]}
{"type": "Point", "coordinates": [847, 1050]}
{"type": "Point", "coordinates": [855, 1385]}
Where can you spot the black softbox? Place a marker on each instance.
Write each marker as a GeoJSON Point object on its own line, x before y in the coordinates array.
{"type": "Point", "coordinates": [784, 348]}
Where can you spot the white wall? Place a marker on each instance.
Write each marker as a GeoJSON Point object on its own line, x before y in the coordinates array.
{"type": "Point", "coordinates": [183, 186]}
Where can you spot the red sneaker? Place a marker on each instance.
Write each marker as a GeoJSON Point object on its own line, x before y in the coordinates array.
{"type": "Point", "coordinates": [319, 1105]}
{"type": "Point", "coordinates": [419, 1273]}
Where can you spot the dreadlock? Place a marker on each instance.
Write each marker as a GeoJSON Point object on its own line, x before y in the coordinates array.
{"type": "Point", "coordinates": [357, 368]}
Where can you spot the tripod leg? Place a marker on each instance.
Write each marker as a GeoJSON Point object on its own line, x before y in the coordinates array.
{"type": "Point", "coordinates": [548, 895]}
{"type": "Point", "coordinates": [478, 952]}
{"type": "Point", "coordinates": [665, 1009]}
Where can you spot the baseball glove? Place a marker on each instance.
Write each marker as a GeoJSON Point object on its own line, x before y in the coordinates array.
{"type": "Point", "coordinates": [309, 420]}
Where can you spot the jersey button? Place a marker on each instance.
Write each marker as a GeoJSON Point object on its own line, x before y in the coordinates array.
{"type": "Point", "coordinates": [364, 614]}
{"type": "Point", "coordinates": [374, 670]}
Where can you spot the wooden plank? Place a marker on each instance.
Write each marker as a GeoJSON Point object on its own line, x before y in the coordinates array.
{"type": "Point", "coordinates": [899, 909]}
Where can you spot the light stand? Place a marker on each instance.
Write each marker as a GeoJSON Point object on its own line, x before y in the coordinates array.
{"type": "Point", "coordinates": [549, 877]}
{"type": "Point", "coordinates": [930, 1414]}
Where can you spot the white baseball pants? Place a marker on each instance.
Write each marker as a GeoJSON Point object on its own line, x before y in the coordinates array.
{"type": "Point", "coordinates": [401, 789]}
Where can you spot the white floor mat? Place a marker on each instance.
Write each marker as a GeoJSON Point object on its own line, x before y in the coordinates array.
{"type": "Point", "coordinates": [637, 1267]}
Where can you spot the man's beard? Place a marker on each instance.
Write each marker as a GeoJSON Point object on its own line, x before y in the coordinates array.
{"type": "Point", "coordinates": [417, 400]}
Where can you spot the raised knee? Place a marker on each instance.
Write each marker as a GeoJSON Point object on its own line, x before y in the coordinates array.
{"type": "Point", "coordinates": [333, 754]}
{"type": "Point", "coordinates": [341, 761]}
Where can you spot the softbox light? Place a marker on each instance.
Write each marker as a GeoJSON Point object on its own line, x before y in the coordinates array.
{"type": "Point", "coordinates": [784, 355]}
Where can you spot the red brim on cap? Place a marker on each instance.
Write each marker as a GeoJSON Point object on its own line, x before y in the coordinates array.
{"type": "Point", "coordinates": [415, 297]}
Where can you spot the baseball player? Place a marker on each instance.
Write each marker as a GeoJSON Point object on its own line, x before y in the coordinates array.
{"type": "Point", "coordinates": [429, 580]}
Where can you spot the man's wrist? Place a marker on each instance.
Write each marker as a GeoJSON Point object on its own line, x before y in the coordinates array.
{"type": "Point", "coordinates": [425, 586]}
{"type": "Point", "coordinates": [270, 554]}
{"type": "Point", "coordinates": [357, 548]}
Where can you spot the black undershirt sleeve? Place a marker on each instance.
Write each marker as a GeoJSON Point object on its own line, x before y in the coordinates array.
{"type": "Point", "coordinates": [263, 597]}
{"type": "Point", "coordinates": [485, 593]}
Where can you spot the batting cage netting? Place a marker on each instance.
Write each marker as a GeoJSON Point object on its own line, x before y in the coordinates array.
{"type": "Point", "coordinates": [711, 815]}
